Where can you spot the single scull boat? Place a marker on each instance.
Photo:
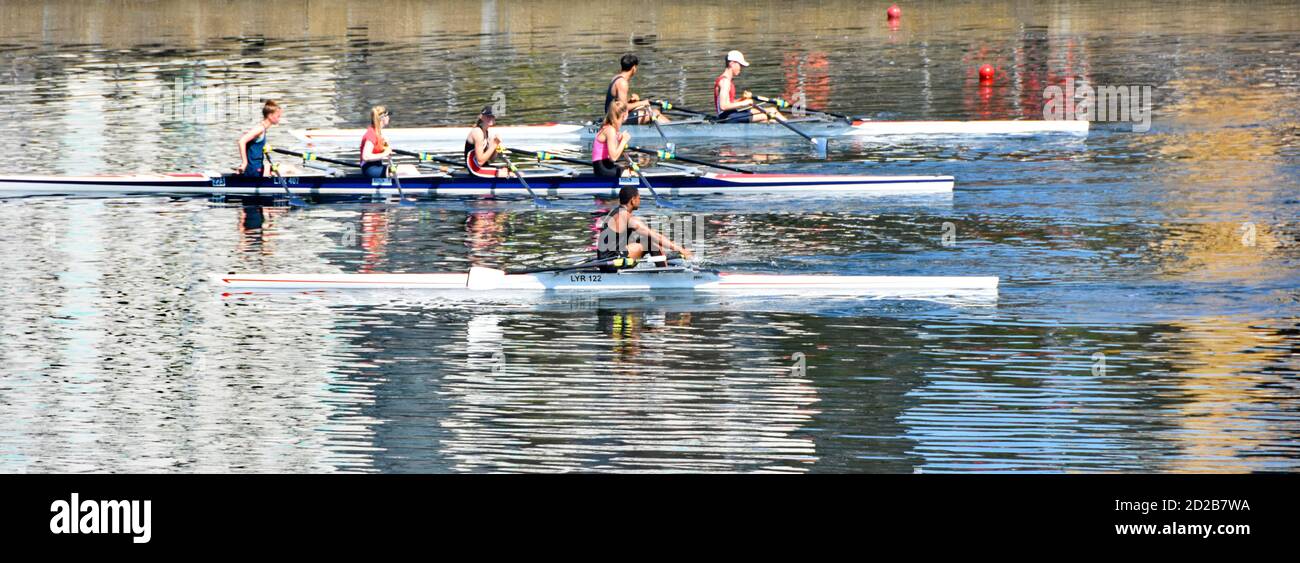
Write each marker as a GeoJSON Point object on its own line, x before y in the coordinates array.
{"type": "Point", "coordinates": [670, 278]}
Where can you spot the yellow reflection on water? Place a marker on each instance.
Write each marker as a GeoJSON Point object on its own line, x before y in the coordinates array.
{"type": "Point", "coordinates": [1228, 372]}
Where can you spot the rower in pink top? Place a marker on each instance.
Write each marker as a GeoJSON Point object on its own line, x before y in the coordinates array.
{"type": "Point", "coordinates": [610, 142]}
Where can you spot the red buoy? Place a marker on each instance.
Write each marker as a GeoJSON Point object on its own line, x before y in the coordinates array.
{"type": "Point", "coordinates": [986, 73]}
{"type": "Point", "coordinates": [894, 12]}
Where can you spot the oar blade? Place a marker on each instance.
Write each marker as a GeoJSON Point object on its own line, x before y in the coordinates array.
{"type": "Point", "coordinates": [819, 146]}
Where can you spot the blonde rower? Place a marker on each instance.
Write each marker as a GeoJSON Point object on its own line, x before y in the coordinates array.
{"type": "Point", "coordinates": [375, 151]}
{"type": "Point", "coordinates": [610, 142]}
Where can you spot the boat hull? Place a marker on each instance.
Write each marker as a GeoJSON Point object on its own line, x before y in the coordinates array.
{"type": "Point", "coordinates": [556, 185]}
{"type": "Point", "coordinates": [634, 281]}
{"type": "Point", "coordinates": [431, 137]}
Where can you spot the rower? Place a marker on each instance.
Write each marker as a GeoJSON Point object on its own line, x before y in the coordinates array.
{"type": "Point", "coordinates": [482, 145]}
{"type": "Point", "coordinates": [623, 235]}
{"type": "Point", "coordinates": [610, 142]}
{"type": "Point", "coordinates": [253, 143]}
{"type": "Point", "coordinates": [640, 112]}
{"type": "Point", "coordinates": [731, 110]}
{"type": "Point", "coordinates": [375, 152]}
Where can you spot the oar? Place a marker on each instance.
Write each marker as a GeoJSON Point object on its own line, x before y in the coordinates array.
{"type": "Point", "coordinates": [664, 105]}
{"type": "Point", "coordinates": [781, 103]}
{"type": "Point", "coordinates": [589, 264]}
{"type": "Point", "coordinates": [428, 157]}
{"type": "Point", "coordinates": [818, 144]}
{"type": "Point", "coordinates": [294, 201]}
{"type": "Point", "coordinates": [536, 200]}
{"type": "Point", "coordinates": [544, 155]}
{"type": "Point", "coordinates": [401, 197]}
{"type": "Point", "coordinates": [659, 200]}
{"type": "Point", "coordinates": [424, 156]}
{"type": "Point", "coordinates": [313, 156]}
{"type": "Point", "coordinates": [667, 143]}
{"type": "Point", "coordinates": [669, 155]}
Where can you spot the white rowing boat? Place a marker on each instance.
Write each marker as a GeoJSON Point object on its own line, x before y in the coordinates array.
{"type": "Point", "coordinates": [634, 280]}
{"type": "Point", "coordinates": [528, 135]}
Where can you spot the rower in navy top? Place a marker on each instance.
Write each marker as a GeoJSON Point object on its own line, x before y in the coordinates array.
{"type": "Point", "coordinates": [253, 143]}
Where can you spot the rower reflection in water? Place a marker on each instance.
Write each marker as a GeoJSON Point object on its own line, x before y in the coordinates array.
{"type": "Point", "coordinates": [253, 144]}
{"type": "Point", "coordinates": [482, 145]}
{"type": "Point", "coordinates": [623, 235]}
{"type": "Point", "coordinates": [731, 110]}
{"type": "Point", "coordinates": [610, 142]}
{"type": "Point", "coordinates": [375, 151]}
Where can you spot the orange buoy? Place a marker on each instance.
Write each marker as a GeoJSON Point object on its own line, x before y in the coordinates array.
{"type": "Point", "coordinates": [894, 12]}
{"type": "Point", "coordinates": [986, 73]}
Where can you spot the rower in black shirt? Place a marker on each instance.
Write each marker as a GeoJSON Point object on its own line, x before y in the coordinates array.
{"type": "Point", "coordinates": [623, 235]}
{"type": "Point", "coordinates": [639, 112]}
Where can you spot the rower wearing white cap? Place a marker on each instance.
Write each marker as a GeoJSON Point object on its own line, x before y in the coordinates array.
{"type": "Point", "coordinates": [731, 110]}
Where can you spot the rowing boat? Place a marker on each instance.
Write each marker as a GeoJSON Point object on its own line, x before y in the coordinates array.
{"type": "Point", "coordinates": [634, 280]}
{"type": "Point", "coordinates": [431, 137]}
{"type": "Point", "coordinates": [554, 180]}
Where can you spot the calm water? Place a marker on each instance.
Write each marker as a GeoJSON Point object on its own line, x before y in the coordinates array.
{"type": "Point", "coordinates": [1148, 320]}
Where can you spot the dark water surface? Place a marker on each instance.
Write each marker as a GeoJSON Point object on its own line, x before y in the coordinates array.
{"type": "Point", "coordinates": [1148, 319]}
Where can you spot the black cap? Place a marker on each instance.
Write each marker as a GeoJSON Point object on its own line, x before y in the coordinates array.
{"type": "Point", "coordinates": [487, 112]}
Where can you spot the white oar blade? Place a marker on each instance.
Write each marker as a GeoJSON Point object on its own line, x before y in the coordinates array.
{"type": "Point", "coordinates": [481, 279]}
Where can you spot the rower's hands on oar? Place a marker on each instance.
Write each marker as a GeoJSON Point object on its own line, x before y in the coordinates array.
{"type": "Point", "coordinates": [511, 170]}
